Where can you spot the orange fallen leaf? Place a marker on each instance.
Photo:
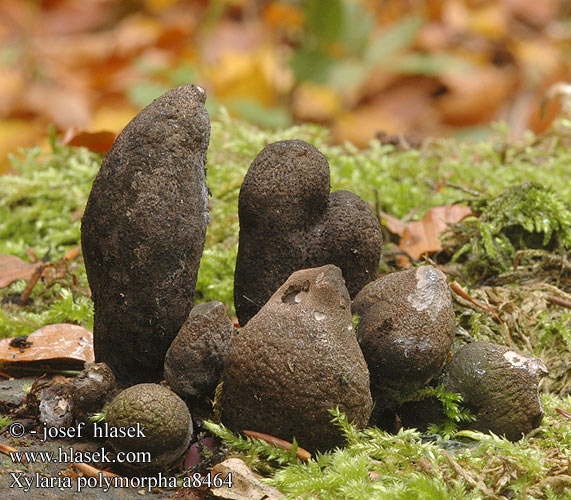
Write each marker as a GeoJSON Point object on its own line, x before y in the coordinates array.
{"type": "Point", "coordinates": [394, 224]}
{"type": "Point", "coordinates": [51, 342]}
{"type": "Point", "coordinates": [474, 96]}
{"type": "Point", "coordinates": [13, 268]}
{"type": "Point", "coordinates": [404, 107]}
{"type": "Point", "coordinates": [99, 142]}
{"type": "Point", "coordinates": [315, 103]}
{"type": "Point", "coordinates": [423, 236]}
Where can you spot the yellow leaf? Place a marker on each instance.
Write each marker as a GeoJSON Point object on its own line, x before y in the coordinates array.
{"type": "Point", "coordinates": [242, 75]}
{"type": "Point", "coordinates": [315, 103]}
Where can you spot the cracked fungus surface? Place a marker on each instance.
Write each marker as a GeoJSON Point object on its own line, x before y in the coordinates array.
{"type": "Point", "coordinates": [406, 330]}
{"type": "Point", "coordinates": [500, 385]}
{"type": "Point", "coordinates": [295, 360]}
{"type": "Point", "coordinates": [163, 415]}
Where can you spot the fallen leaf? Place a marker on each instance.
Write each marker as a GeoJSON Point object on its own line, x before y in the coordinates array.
{"type": "Point", "coordinates": [100, 142]}
{"type": "Point", "coordinates": [13, 268]}
{"type": "Point", "coordinates": [393, 224]}
{"type": "Point", "coordinates": [423, 236]}
{"type": "Point", "coordinates": [475, 96]}
{"type": "Point", "coordinates": [245, 484]}
{"type": "Point", "coordinates": [65, 106]}
{"type": "Point", "coordinates": [533, 12]}
{"type": "Point", "coordinates": [315, 103]}
{"type": "Point", "coordinates": [62, 341]}
{"type": "Point", "coordinates": [405, 107]}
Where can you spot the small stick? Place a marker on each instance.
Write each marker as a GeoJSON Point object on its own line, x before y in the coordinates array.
{"type": "Point", "coordinates": [563, 412]}
{"type": "Point", "coordinates": [456, 288]}
{"type": "Point", "coordinates": [473, 192]}
{"type": "Point", "coordinates": [280, 443]}
{"type": "Point", "coordinates": [32, 255]}
{"type": "Point", "coordinates": [72, 254]}
{"type": "Point", "coordinates": [467, 476]}
{"type": "Point", "coordinates": [559, 302]}
{"type": "Point", "coordinates": [31, 284]}
{"type": "Point", "coordinates": [90, 471]}
{"type": "Point", "coordinates": [6, 450]}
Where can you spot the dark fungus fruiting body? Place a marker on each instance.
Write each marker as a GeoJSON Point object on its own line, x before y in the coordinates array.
{"type": "Point", "coordinates": [160, 421]}
{"type": "Point", "coordinates": [406, 329]}
{"type": "Point", "coordinates": [195, 359]}
{"type": "Point", "coordinates": [290, 221]}
{"type": "Point", "coordinates": [143, 232]}
{"type": "Point", "coordinates": [92, 389]}
{"type": "Point", "coordinates": [500, 385]}
{"type": "Point", "coordinates": [296, 359]}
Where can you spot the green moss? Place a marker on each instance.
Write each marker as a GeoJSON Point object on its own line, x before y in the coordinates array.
{"type": "Point", "coordinates": [4, 421]}
{"type": "Point", "coordinates": [40, 209]}
{"type": "Point", "coordinates": [375, 464]}
{"type": "Point", "coordinates": [453, 412]}
{"type": "Point", "coordinates": [524, 216]}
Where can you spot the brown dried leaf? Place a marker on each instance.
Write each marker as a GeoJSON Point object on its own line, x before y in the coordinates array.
{"type": "Point", "coordinates": [475, 96]}
{"type": "Point", "coordinates": [99, 142]}
{"type": "Point", "coordinates": [13, 268]}
{"type": "Point", "coordinates": [423, 236]}
{"type": "Point", "coordinates": [59, 341]}
{"type": "Point", "coordinates": [394, 224]}
{"type": "Point", "coordinates": [403, 108]}
{"type": "Point", "coordinates": [246, 485]}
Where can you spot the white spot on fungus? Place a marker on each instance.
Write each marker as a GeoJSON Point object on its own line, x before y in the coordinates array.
{"type": "Point", "coordinates": [431, 291]}
{"type": "Point", "coordinates": [518, 360]}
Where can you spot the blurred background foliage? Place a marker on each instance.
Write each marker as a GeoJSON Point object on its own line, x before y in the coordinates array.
{"type": "Point", "coordinates": [415, 68]}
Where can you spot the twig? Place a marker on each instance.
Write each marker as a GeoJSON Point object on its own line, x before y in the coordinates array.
{"type": "Point", "coordinates": [473, 192]}
{"type": "Point", "coordinates": [31, 284]}
{"type": "Point", "coordinates": [302, 454]}
{"type": "Point", "coordinates": [6, 450]}
{"type": "Point", "coordinates": [563, 412]}
{"type": "Point", "coordinates": [90, 471]}
{"type": "Point", "coordinates": [32, 255]}
{"type": "Point", "coordinates": [559, 302]}
{"type": "Point", "coordinates": [72, 254]}
{"type": "Point", "coordinates": [52, 371]}
{"type": "Point", "coordinates": [467, 476]}
{"type": "Point", "coordinates": [456, 288]}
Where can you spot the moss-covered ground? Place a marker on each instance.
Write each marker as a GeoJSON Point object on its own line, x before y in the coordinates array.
{"type": "Point", "coordinates": [513, 256]}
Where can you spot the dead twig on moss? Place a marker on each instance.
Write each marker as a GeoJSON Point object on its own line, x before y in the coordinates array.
{"type": "Point", "coordinates": [559, 302]}
{"type": "Point", "coordinates": [457, 288]}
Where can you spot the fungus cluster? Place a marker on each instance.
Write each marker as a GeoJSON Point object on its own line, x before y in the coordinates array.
{"type": "Point", "coordinates": [303, 254]}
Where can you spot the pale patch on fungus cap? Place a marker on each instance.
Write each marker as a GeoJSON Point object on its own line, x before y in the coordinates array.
{"type": "Point", "coordinates": [533, 365]}
{"type": "Point", "coordinates": [431, 291]}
